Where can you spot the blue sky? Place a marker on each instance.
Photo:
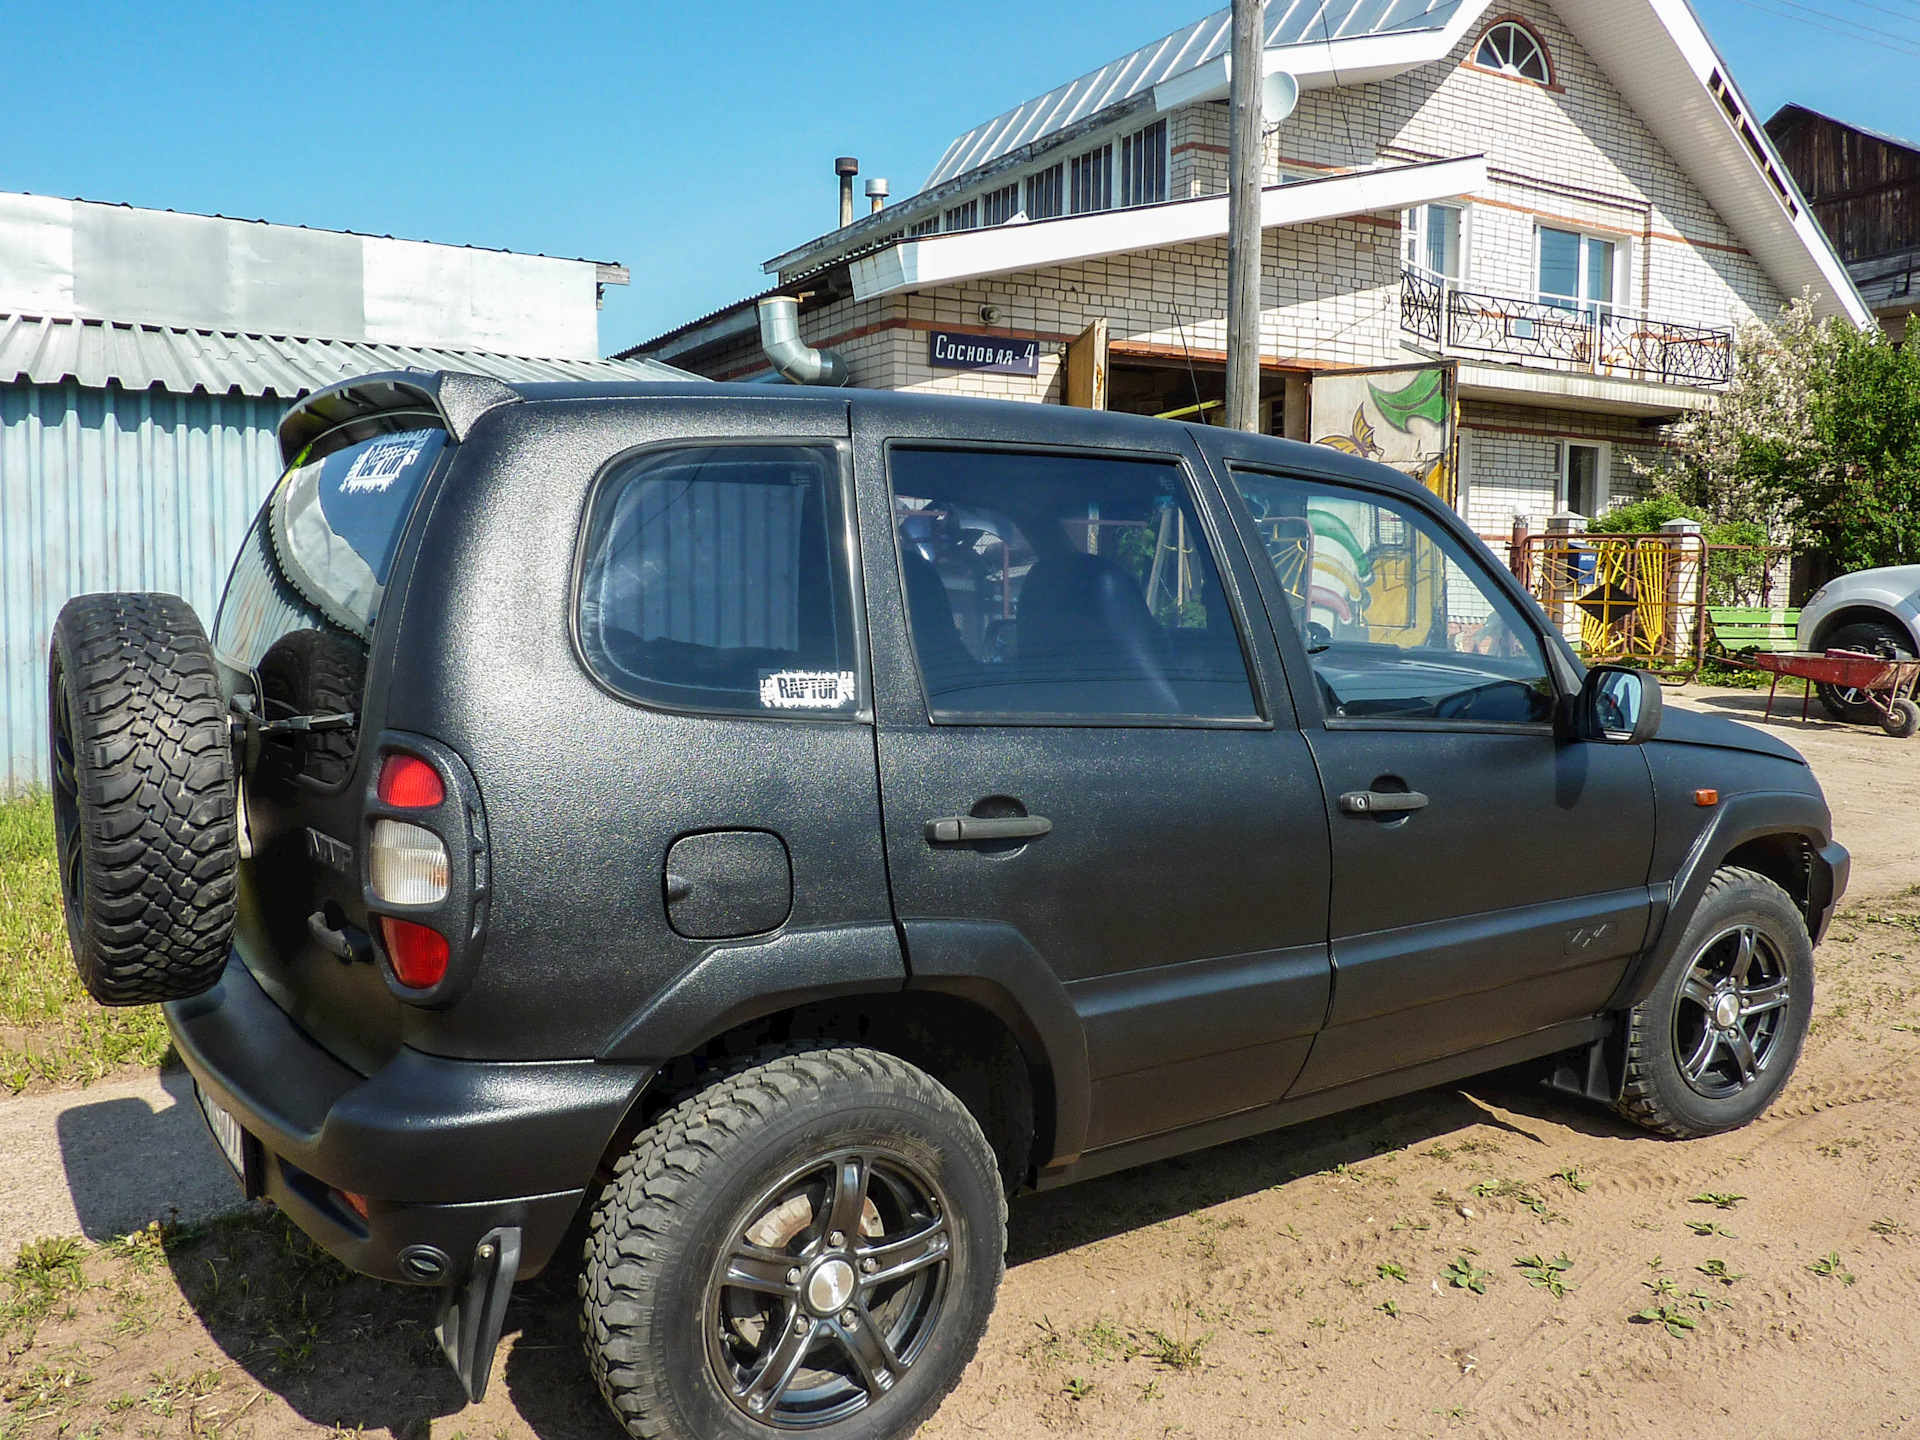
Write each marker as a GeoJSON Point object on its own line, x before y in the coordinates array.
{"type": "Point", "coordinates": [689, 141]}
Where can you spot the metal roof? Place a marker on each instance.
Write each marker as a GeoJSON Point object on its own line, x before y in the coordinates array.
{"type": "Point", "coordinates": [1889, 284]}
{"type": "Point", "coordinates": [1289, 22]}
{"type": "Point", "coordinates": [97, 353]}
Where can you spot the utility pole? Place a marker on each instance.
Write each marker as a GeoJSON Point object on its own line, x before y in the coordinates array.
{"type": "Point", "coordinates": [1243, 216]}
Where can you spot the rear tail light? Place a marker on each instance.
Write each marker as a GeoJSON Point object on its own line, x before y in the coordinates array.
{"type": "Point", "coordinates": [410, 783]}
{"type": "Point", "coordinates": [408, 864]}
{"type": "Point", "coordinates": [418, 955]}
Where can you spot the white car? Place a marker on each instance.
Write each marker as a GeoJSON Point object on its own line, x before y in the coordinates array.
{"type": "Point", "coordinates": [1871, 610]}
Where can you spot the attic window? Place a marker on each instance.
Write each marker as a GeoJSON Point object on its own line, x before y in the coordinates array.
{"type": "Point", "coordinates": [1513, 49]}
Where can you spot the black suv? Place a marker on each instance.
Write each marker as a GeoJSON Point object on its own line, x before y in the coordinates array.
{"type": "Point", "coordinates": [750, 832]}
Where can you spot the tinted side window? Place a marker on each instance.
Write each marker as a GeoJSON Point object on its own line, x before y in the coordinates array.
{"type": "Point", "coordinates": [715, 578]}
{"type": "Point", "coordinates": [1055, 585]}
{"type": "Point", "coordinates": [1398, 621]}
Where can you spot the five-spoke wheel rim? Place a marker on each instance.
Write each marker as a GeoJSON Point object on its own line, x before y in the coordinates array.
{"type": "Point", "coordinates": [829, 1288]}
{"type": "Point", "coordinates": [1730, 1012]}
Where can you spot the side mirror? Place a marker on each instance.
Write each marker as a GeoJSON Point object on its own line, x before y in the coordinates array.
{"type": "Point", "coordinates": [1618, 706]}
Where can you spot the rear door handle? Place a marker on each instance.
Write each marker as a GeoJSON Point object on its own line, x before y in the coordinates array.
{"type": "Point", "coordinates": [959, 829]}
{"type": "Point", "coordinates": [1381, 802]}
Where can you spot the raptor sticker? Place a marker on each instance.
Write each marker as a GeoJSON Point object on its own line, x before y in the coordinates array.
{"type": "Point", "coordinates": [806, 689]}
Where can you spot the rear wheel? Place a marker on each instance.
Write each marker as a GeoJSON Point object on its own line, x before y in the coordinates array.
{"type": "Point", "coordinates": [812, 1243]}
{"type": "Point", "coordinates": [1873, 637]}
{"type": "Point", "coordinates": [1902, 719]}
{"type": "Point", "coordinates": [1711, 1046]}
{"type": "Point", "coordinates": [143, 797]}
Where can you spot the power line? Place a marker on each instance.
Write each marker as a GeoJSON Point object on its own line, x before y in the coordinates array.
{"type": "Point", "coordinates": [1883, 37]}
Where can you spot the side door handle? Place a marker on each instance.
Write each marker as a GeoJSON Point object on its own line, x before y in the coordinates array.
{"type": "Point", "coordinates": [959, 829]}
{"type": "Point", "coordinates": [1381, 802]}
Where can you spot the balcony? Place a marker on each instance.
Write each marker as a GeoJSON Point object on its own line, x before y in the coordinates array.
{"type": "Point", "coordinates": [1563, 335]}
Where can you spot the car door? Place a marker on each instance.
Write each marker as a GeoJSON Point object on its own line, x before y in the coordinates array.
{"type": "Point", "coordinates": [1084, 760]}
{"type": "Point", "coordinates": [1489, 879]}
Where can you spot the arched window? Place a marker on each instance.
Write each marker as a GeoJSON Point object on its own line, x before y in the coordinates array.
{"type": "Point", "coordinates": [1513, 49]}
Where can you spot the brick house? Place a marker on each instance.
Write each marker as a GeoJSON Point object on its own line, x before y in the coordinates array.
{"type": "Point", "coordinates": [1504, 245]}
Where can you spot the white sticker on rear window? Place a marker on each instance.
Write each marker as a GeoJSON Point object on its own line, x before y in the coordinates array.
{"type": "Point", "coordinates": [378, 466]}
{"type": "Point", "coordinates": [806, 689]}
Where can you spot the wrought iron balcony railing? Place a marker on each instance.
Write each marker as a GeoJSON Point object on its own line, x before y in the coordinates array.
{"type": "Point", "coordinates": [1599, 339]}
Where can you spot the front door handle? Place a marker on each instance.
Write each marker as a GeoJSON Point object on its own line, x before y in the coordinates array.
{"type": "Point", "coordinates": [959, 829]}
{"type": "Point", "coordinates": [1381, 802]}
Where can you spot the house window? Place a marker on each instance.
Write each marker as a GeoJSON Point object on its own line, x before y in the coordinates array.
{"type": "Point", "coordinates": [964, 217]}
{"type": "Point", "coordinates": [1091, 181]}
{"type": "Point", "coordinates": [1431, 239]}
{"type": "Point", "coordinates": [1044, 193]}
{"type": "Point", "coordinates": [1578, 272]}
{"type": "Point", "coordinates": [1513, 49]}
{"type": "Point", "coordinates": [1583, 479]}
{"type": "Point", "coordinates": [928, 226]}
{"type": "Point", "coordinates": [1143, 166]}
{"type": "Point", "coordinates": [1001, 206]}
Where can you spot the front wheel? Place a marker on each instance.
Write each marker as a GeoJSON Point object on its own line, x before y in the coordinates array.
{"type": "Point", "coordinates": [1711, 1046]}
{"type": "Point", "coordinates": [812, 1243]}
{"type": "Point", "coordinates": [1870, 637]}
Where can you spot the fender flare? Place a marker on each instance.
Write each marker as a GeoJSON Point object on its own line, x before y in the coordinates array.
{"type": "Point", "coordinates": [1741, 818]}
{"type": "Point", "coordinates": [992, 965]}
{"type": "Point", "coordinates": [733, 983]}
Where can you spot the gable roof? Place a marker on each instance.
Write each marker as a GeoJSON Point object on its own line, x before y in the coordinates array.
{"type": "Point", "coordinates": [1291, 24]}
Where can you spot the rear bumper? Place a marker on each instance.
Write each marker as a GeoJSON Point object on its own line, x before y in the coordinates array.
{"type": "Point", "coordinates": [443, 1150]}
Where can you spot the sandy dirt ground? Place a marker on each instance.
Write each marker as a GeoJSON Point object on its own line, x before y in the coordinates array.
{"type": "Point", "coordinates": [1360, 1275]}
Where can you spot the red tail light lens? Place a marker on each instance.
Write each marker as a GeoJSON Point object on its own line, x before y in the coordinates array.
{"type": "Point", "coordinates": [410, 783]}
{"type": "Point", "coordinates": [419, 955]}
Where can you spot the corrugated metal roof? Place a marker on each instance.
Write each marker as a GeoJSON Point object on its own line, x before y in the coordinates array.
{"type": "Point", "coordinates": [95, 353]}
{"type": "Point", "coordinates": [1289, 22]}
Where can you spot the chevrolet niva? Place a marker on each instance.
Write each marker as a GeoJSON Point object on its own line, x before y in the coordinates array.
{"type": "Point", "coordinates": [744, 834]}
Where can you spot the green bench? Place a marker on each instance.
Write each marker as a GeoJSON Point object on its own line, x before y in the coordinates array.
{"type": "Point", "coordinates": [1739, 628]}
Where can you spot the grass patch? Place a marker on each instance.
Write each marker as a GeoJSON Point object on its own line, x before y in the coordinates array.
{"type": "Point", "coordinates": [50, 1028]}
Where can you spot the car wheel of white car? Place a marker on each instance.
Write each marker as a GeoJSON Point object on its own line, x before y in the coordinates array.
{"type": "Point", "coordinates": [1871, 636]}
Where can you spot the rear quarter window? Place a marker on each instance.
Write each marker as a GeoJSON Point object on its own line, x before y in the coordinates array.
{"type": "Point", "coordinates": [718, 578]}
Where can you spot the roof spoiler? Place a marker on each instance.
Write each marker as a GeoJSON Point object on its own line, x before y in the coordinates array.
{"type": "Point", "coordinates": [352, 410]}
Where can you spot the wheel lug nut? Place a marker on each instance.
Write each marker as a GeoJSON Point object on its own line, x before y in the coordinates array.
{"type": "Point", "coordinates": [799, 1324]}
{"type": "Point", "coordinates": [848, 1319]}
{"type": "Point", "coordinates": [869, 1265]}
{"type": "Point", "coordinates": [793, 1277]}
{"type": "Point", "coordinates": [836, 1240]}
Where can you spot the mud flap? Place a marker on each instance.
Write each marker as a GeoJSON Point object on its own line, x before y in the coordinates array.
{"type": "Point", "coordinates": [472, 1312]}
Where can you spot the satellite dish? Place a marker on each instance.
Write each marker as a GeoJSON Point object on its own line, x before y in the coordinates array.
{"type": "Point", "coordinates": [1279, 94]}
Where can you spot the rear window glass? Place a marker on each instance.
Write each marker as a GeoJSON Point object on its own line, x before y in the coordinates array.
{"type": "Point", "coordinates": [716, 578]}
{"type": "Point", "coordinates": [321, 552]}
{"type": "Point", "coordinates": [1063, 585]}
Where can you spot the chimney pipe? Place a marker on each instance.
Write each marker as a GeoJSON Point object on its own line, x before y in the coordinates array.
{"type": "Point", "coordinates": [877, 193]}
{"type": "Point", "coordinates": [793, 358]}
{"type": "Point", "coordinates": [846, 167]}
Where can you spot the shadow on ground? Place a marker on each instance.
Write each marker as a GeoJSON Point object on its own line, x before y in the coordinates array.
{"type": "Point", "coordinates": [128, 1160]}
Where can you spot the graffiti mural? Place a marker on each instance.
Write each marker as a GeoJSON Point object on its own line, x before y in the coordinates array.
{"type": "Point", "coordinates": [1402, 417]}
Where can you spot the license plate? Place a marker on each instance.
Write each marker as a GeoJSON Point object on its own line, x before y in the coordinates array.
{"type": "Point", "coordinates": [233, 1140]}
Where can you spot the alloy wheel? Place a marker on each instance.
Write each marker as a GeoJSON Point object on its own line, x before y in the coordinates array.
{"type": "Point", "coordinates": [829, 1289]}
{"type": "Point", "coordinates": [1728, 1012]}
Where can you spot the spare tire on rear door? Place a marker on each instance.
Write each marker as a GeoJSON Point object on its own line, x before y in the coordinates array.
{"type": "Point", "coordinates": [143, 797]}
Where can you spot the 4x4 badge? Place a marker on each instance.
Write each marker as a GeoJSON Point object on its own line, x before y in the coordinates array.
{"type": "Point", "coordinates": [323, 849]}
{"type": "Point", "coordinates": [1579, 940]}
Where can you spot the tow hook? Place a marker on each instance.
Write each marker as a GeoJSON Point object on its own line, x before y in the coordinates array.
{"type": "Point", "coordinates": [473, 1311]}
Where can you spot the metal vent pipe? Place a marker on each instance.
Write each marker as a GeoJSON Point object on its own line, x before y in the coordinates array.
{"type": "Point", "coordinates": [791, 356]}
{"type": "Point", "coordinates": [846, 167]}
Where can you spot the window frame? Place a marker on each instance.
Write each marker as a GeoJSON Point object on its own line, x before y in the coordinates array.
{"type": "Point", "coordinates": [1515, 22]}
{"type": "Point", "coordinates": [1585, 305]}
{"type": "Point", "coordinates": [1562, 669]}
{"type": "Point", "coordinates": [1418, 230]}
{"type": "Point", "coordinates": [1602, 475]}
{"type": "Point", "coordinates": [1098, 162]}
{"type": "Point", "coordinates": [1218, 536]}
{"type": "Point", "coordinates": [843, 539]}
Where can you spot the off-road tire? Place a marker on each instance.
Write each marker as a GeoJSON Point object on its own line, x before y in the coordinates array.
{"type": "Point", "coordinates": [1656, 1094]}
{"type": "Point", "coordinates": [143, 796]}
{"type": "Point", "coordinates": [1867, 635]}
{"type": "Point", "coordinates": [313, 672]}
{"type": "Point", "coordinates": [655, 1235]}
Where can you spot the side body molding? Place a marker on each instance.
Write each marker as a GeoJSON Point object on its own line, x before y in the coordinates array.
{"type": "Point", "coordinates": [993, 966]}
{"type": "Point", "coordinates": [732, 984]}
{"type": "Point", "coordinates": [1741, 818]}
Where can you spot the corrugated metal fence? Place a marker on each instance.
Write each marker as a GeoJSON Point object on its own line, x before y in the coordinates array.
{"type": "Point", "coordinates": [111, 489]}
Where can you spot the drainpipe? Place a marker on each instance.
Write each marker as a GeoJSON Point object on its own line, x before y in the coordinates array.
{"type": "Point", "coordinates": [792, 357]}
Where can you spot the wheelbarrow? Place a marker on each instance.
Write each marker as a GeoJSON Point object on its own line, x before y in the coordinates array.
{"type": "Point", "coordinates": [1888, 685]}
